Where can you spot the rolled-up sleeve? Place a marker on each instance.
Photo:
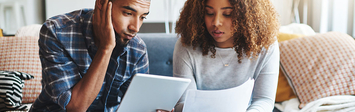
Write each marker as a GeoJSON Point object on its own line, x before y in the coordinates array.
{"type": "Point", "coordinates": [59, 72]}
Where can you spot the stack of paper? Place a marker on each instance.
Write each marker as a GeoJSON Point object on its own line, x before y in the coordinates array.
{"type": "Point", "coordinates": [228, 100]}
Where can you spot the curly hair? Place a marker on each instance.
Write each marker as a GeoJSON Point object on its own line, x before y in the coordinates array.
{"type": "Point", "coordinates": [255, 24]}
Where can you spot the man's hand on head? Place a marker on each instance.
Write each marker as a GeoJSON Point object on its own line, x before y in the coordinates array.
{"type": "Point", "coordinates": [160, 110]}
{"type": "Point", "coordinates": [102, 23]}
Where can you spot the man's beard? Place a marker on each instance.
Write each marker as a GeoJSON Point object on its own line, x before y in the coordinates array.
{"type": "Point", "coordinates": [121, 42]}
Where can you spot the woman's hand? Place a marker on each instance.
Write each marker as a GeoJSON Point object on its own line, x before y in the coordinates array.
{"type": "Point", "coordinates": [102, 23]}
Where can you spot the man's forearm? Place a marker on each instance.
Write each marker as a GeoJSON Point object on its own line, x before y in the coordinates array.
{"type": "Point", "coordinates": [86, 90]}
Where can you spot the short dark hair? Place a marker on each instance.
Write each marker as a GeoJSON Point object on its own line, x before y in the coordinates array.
{"type": "Point", "coordinates": [113, 0]}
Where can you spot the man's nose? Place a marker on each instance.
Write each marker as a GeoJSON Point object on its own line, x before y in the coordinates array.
{"type": "Point", "coordinates": [135, 25]}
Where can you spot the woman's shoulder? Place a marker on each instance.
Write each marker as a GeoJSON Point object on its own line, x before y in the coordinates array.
{"type": "Point", "coordinates": [271, 51]}
{"type": "Point", "coordinates": [180, 47]}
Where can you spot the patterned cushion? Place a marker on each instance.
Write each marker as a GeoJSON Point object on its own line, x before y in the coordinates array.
{"type": "Point", "coordinates": [319, 66]}
{"type": "Point", "coordinates": [21, 54]}
{"type": "Point", "coordinates": [284, 91]}
{"type": "Point", "coordinates": [11, 84]}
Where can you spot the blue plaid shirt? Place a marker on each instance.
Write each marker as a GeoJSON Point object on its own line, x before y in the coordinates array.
{"type": "Point", "coordinates": [66, 52]}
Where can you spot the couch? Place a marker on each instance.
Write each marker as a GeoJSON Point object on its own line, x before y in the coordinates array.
{"type": "Point", "coordinates": [20, 53]}
{"type": "Point", "coordinates": [160, 52]}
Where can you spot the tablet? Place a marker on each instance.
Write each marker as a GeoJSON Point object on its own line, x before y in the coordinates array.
{"type": "Point", "coordinates": [148, 92]}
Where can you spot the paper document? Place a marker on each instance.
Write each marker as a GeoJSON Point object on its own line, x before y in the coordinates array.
{"type": "Point", "coordinates": [227, 100]}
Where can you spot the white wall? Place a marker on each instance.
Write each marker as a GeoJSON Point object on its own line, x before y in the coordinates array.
{"type": "Point", "coordinates": [30, 13]}
{"type": "Point", "coordinates": [284, 8]}
{"type": "Point", "coordinates": [35, 10]}
{"type": "Point", "coordinates": [56, 7]}
{"type": "Point", "coordinates": [159, 9]}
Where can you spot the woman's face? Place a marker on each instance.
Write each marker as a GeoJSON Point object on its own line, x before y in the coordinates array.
{"type": "Point", "coordinates": [218, 22]}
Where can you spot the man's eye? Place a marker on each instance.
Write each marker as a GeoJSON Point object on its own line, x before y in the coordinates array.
{"type": "Point", "coordinates": [144, 18]}
{"type": "Point", "coordinates": [128, 13]}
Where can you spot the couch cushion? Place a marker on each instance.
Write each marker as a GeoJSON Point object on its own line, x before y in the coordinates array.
{"type": "Point", "coordinates": [160, 52]}
{"type": "Point", "coordinates": [319, 66]}
{"type": "Point", "coordinates": [21, 54]}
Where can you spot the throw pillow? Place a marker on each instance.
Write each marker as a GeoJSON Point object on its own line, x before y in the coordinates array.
{"type": "Point", "coordinates": [21, 54]}
{"type": "Point", "coordinates": [287, 36]}
{"type": "Point", "coordinates": [11, 83]}
{"type": "Point", "coordinates": [319, 66]}
{"type": "Point", "coordinates": [284, 91]}
{"type": "Point", "coordinates": [29, 31]}
{"type": "Point", "coordinates": [1, 34]}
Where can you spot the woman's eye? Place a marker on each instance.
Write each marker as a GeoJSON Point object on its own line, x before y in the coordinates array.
{"type": "Point", "coordinates": [209, 14]}
{"type": "Point", "coordinates": [227, 15]}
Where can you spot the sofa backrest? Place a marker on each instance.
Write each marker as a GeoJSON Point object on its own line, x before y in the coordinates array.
{"type": "Point", "coordinates": [160, 48]}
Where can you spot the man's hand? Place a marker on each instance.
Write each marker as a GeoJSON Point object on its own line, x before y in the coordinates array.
{"type": "Point", "coordinates": [102, 23]}
{"type": "Point", "coordinates": [86, 90]}
{"type": "Point", "coordinates": [159, 110]}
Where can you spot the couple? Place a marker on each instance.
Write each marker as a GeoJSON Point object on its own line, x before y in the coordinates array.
{"type": "Point", "coordinates": [89, 56]}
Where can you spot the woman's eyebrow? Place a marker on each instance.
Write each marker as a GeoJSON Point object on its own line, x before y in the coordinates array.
{"type": "Point", "coordinates": [227, 8]}
{"type": "Point", "coordinates": [221, 8]}
{"type": "Point", "coordinates": [209, 6]}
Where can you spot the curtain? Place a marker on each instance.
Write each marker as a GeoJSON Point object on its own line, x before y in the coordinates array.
{"type": "Point", "coordinates": [328, 15]}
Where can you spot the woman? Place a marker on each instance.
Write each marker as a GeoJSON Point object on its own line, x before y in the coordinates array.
{"type": "Point", "coordinates": [226, 42]}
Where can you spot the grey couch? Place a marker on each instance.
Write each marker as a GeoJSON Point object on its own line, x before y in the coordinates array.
{"type": "Point", "coordinates": [160, 48]}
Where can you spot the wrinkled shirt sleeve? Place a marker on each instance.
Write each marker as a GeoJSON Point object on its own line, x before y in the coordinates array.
{"type": "Point", "coordinates": [59, 72]}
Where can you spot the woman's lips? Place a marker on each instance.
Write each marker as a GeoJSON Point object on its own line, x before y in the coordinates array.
{"type": "Point", "coordinates": [217, 33]}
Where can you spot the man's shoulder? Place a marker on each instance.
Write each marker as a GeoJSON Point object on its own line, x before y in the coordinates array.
{"type": "Point", "coordinates": [137, 42]}
{"type": "Point", "coordinates": [77, 17]}
{"type": "Point", "coordinates": [137, 46]}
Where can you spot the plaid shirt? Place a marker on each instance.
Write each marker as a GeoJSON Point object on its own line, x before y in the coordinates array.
{"type": "Point", "coordinates": [66, 51]}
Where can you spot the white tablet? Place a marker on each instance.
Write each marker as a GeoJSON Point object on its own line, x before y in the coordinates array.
{"type": "Point", "coordinates": [148, 92]}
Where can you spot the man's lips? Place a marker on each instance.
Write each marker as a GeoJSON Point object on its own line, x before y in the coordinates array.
{"type": "Point", "coordinates": [129, 36]}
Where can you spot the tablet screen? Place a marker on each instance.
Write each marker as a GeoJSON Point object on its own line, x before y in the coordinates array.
{"type": "Point", "coordinates": [148, 92]}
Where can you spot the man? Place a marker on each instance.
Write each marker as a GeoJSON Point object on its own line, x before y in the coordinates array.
{"type": "Point", "coordinates": [90, 56]}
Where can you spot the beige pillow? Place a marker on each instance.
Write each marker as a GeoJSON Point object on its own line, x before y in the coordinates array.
{"type": "Point", "coordinates": [29, 31]}
{"type": "Point", "coordinates": [319, 66]}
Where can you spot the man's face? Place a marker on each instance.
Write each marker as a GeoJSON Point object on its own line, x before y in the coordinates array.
{"type": "Point", "coordinates": [127, 18]}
